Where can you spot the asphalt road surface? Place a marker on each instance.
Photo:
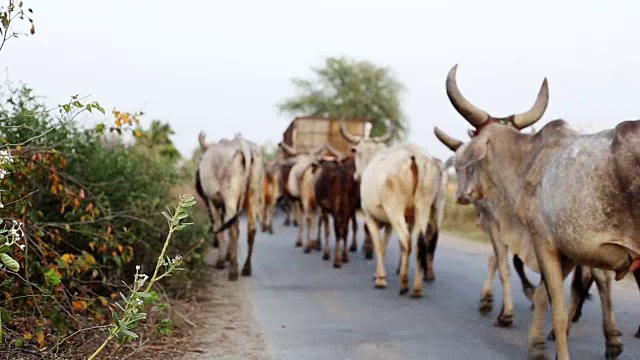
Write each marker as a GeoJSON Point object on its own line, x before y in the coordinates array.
{"type": "Point", "coordinates": [309, 310]}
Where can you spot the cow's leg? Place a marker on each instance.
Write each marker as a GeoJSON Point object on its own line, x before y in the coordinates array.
{"type": "Point", "coordinates": [636, 275]}
{"type": "Point", "coordinates": [536, 331]}
{"type": "Point", "coordinates": [604, 282]}
{"type": "Point", "coordinates": [269, 217]}
{"type": "Point", "coordinates": [233, 251]}
{"type": "Point", "coordinates": [341, 226]}
{"type": "Point", "coordinates": [374, 231]}
{"type": "Point", "coordinates": [287, 213]}
{"type": "Point", "coordinates": [582, 280]}
{"type": "Point", "coordinates": [300, 228]}
{"type": "Point", "coordinates": [325, 224]}
{"type": "Point", "coordinates": [429, 274]}
{"type": "Point", "coordinates": [399, 224]}
{"type": "Point", "coordinates": [223, 250]}
{"type": "Point", "coordinates": [326, 252]}
{"type": "Point", "coordinates": [554, 269]}
{"type": "Point", "coordinates": [297, 214]}
{"type": "Point", "coordinates": [486, 300]}
{"type": "Point", "coordinates": [251, 235]}
{"type": "Point", "coordinates": [212, 219]}
{"type": "Point", "coordinates": [354, 240]}
{"type": "Point", "coordinates": [367, 247]}
{"type": "Point", "coordinates": [505, 318]}
{"type": "Point", "coordinates": [527, 287]}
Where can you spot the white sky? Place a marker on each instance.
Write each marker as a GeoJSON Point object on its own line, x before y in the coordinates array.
{"type": "Point", "coordinates": [222, 67]}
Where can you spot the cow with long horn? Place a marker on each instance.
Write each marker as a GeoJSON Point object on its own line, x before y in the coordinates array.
{"type": "Point", "coordinates": [573, 197]}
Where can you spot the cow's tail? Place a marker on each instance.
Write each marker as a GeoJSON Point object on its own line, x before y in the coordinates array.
{"type": "Point", "coordinates": [228, 223]}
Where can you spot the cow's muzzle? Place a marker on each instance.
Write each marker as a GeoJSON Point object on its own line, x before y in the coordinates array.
{"type": "Point", "coordinates": [463, 200]}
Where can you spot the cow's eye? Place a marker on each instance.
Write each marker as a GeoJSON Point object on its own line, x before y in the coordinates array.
{"type": "Point", "coordinates": [353, 150]}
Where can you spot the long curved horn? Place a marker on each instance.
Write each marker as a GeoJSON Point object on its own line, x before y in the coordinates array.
{"type": "Point", "coordinates": [534, 114]}
{"type": "Point", "coordinates": [448, 141]}
{"type": "Point", "coordinates": [288, 149]}
{"type": "Point", "coordinates": [475, 116]}
{"type": "Point", "coordinates": [203, 144]}
{"type": "Point", "coordinates": [335, 152]}
{"type": "Point", "coordinates": [345, 133]}
{"type": "Point", "coordinates": [386, 136]}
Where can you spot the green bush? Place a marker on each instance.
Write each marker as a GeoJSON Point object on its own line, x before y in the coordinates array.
{"type": "Point", "coordinates": [90, 210]}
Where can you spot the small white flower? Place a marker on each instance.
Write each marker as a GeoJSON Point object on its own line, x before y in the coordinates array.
{"type": "Point", "coordinates": [137, 267]}
{"type": "Point", "coordinates": [178, 257]}
{"type": "Point", "coordinates": [21, 247]}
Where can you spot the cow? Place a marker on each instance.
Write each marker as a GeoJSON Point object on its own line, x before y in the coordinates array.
{"type": "Point", "coordinates": [271, 192]}
{"type": "Point", "coordinates": [300, 188]}
{"type": "Point", "coordinates": [229, 179]}
{"type": "Point", "coordinates": [575, 196]}
{"type": "Point", "coordinates": [338, 194]}
{"type": "Point", "coordinates": [289, 206]}
{"type": "Point", "coordinates": [366, 147]}
{"type": "Point", "coordinates": [398, 187]}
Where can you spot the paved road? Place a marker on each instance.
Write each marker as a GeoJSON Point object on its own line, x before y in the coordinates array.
{"type": "Point", "coordinates": [308, 310]}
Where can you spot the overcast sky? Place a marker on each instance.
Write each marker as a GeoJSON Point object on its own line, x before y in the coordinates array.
{"type": "Point", "coordinates": [222, 68]}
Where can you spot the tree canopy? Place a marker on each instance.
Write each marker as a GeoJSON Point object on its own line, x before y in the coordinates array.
{"type": "Point", "coordinates": [347, 88]}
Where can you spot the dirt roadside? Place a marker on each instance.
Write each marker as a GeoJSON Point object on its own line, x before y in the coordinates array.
{"type": "Point", "coordinates": [225, 326]}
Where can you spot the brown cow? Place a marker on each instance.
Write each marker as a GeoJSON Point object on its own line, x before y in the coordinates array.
{"type": "Point", "coordinates": [338, 194]}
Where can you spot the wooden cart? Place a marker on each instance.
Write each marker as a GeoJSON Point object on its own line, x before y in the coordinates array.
{"type": "Point", "coordinates": [309, 132]}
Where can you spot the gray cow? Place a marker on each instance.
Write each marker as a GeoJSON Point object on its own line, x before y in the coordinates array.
{"type": "Point", "coordinates": [575, 196]}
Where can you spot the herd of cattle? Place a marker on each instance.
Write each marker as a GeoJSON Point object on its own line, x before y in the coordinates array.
{"type": "Point", "coordinates": [559, 201]}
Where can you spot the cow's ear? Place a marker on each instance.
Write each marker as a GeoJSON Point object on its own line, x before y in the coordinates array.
{"type": "Point", "coordinates": [476, 150]}
{"type": "Point", "coordinates": [479, 150]}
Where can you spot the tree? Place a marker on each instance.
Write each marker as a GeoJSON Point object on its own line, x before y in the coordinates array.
{"type": "Point", "coordinates": [157, 140]}
{"type": "Point", "coordinates": [351, 89]}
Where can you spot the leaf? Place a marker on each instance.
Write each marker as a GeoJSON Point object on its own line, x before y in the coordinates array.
{"type": "Point", "coordinates": [79, 305]}
{"type": "Point", "coordinates": [166, 215]}
{"type": "Point", "coordinates": [9, 262]}
{"type": "Point", "coordinates": [100, 128]}
{"type": "Point", "coordinates": [129, 334]}
{"type": "Point", "coordinates": [115, 317]}
{"type": "Point", "coordinates": [41, 341]}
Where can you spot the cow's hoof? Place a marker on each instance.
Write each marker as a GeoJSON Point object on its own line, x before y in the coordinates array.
{"type": "Point", "coordinates": [270, 231]}
{"type": "Point", "coordinates": [233, 275]}
{"type": "Point", "coordinates": [486, 305]}
{"type": "Point", "coordinates": [299, 243]}
{"type": "Point", "coordinates": [613, 350]}
{"type": "Point", "coordinates": [246, 271]}
{"type": "Point", "coordinates": [537, 351]}
{"type": "Point", "coordinates": [287, 222]}
{"type": "Point", "coordinates": [220, 265]}
{"type": "Point", "coordinates": [504, 321]}
{"type": "Point", "coordinates": [429, 277]}
{"type": "Point", "coordinates": [368, 255]}
{"type": "Point", "coordinates": [380, 283]}
{"type": "Point", "coordinates": [318, 245]}
{"type": "Point", "coordinates": [637, 335]}
{"type": "Point", "coordinates": [403, 291]}
{"type": "Point", "coordinates": [337, 265]}
{"type": "Point", "coordinates": [416, 293]}
{"type": "Point", "coordinates": [353, 249]}
{"type": "Point", "coordinates": [325, 257]}
{"type": "Point", "coordinates": [295, 223]}
{"type": "Point", "coordinates": [345, 258]}
{"type": "Point", "coordinates": [306, 249]}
